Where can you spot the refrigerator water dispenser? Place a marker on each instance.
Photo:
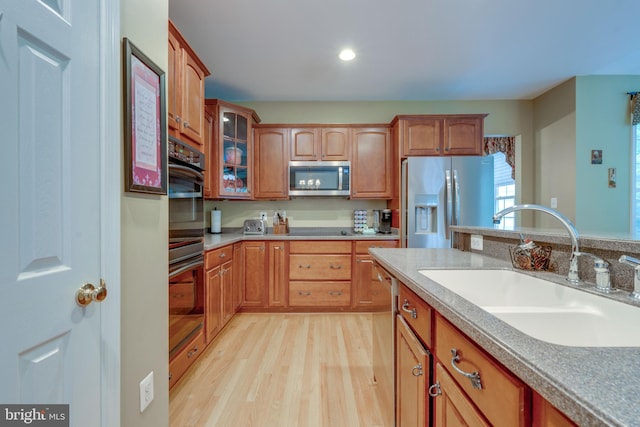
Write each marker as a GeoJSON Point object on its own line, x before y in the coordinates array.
{"type": "Point", "coordinates": [426, 213]}
{"type": "Point", "coordinates": [426, 219]}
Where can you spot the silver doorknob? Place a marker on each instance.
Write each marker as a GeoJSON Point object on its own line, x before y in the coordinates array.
{"type": "Point", "coordinates": [88, 293]}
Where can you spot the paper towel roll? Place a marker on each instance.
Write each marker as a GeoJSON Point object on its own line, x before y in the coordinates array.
{"type": "Point", "coordinates": [216, 219]}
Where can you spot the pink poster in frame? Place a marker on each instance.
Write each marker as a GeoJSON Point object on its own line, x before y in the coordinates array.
{"type": "Point", "coordinates": [145, 123]}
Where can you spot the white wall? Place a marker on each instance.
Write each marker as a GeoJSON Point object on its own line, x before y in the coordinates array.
{"type": "Point", "coordinates": [144, 220]}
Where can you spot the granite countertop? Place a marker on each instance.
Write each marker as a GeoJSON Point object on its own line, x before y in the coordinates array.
{"type": "Point", "coordinates": [594, 386]}
{"type": "Point", "coordinates": [228, 236]}
{"type": "Point", "coordinates": [608, 241]}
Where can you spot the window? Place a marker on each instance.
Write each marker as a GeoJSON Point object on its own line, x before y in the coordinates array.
{"type": "Point", "coordinates": [504, 193]}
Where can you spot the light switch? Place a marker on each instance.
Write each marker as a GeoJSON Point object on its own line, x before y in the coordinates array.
{"type": "Point", "coordinates": [554, 202]}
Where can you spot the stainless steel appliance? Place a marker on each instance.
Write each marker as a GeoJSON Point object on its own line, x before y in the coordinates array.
{"type": "Point", "coordinates": [385, 221]}
{"type": "Point", "coordinates": [254, 226]}
{"type": "Point", "coordinates": [438, 192]}
{"type": "Point", "coordinates": [322, 178]}
{"type": "Point", "coordinates": [383, 342]}
{"type": "Point", "coordinates": [186, 244]}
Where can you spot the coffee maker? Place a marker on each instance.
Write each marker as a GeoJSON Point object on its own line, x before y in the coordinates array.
{"type": "Point", "coordinates": [385, 221]}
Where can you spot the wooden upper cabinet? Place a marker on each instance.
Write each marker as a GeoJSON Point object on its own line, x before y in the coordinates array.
{"type": "Point", "coordinates": [305, 144]}
{"type": "Point", "coordinates": [230, 162]}
{"type": "Point", "coordinates": [185, 82]}
{"type": "Point", "coordinates": [463, 135]}
{"type": "Point", "coordinates": [439, 135]}
{"type": "Point", "coordinates": [421, 136]}
{"type": "Point", "coordinates": [192, 99]}
{"type": "Point", "coordinates": [371, 163]}
{"type": "Point", "coordinates": [210, 183]}
{"type": "Point", "coordinates": [174, 85]}
{"type": "Point", "coordinates": [335, 144]}
{"type": "Point", "coordinates": [311, 143]}
{"type": "Point", "coordinates": [271, 163]}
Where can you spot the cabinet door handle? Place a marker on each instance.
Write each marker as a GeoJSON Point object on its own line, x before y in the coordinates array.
{"type": "Point", "coordinates": [412, 311]}
{"type": "Point", "coordinates": [416, 371]}
{"type": "Point", "coordinates": [335, 267]}
{"type": "Point", "coordinates": [192, 352]}
{"type": "Point", "coordinates": [304, 266]}
{"type": "Point", "coordinates": [186, 124]}
{"type": "Point", "coordinates": [335, 293]}
{"type": "Point", "coordinates": [222, 255]}
{"type": "Point", "coordinates": [434, 390]}
{"type": "Point", "coordinates": [474, 377]}
{"type": "Point", "coordinates": [178, 119]}
{"type": "Point", "coordinates": [304, 293]}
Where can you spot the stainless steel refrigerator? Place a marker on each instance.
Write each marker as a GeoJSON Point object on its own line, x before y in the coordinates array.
{"type": "Point", "coordinates": [438, 192]}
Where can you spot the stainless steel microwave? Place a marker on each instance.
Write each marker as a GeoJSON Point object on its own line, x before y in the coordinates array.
{"type": "Point", "coordinates": [319, 178]}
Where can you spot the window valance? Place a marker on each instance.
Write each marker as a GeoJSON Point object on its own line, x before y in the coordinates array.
{"type": "Point", "coordinates": [502, 144]}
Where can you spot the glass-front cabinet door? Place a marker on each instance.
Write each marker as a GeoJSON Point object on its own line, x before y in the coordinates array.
{"type": "Point", "coordinates": [229, 173]}
{"type": "Point", "coordinates": [236, 155]}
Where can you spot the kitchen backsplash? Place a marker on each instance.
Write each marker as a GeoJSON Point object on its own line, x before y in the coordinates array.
{"type": "Point", "coordinates": [308, 212]}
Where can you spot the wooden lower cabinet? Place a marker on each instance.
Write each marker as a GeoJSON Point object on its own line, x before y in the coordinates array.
{"type": "Point", "coordinates": [320, 274]}
{"type": "Point", "coordinates": [503, 398]}
{"type": "Point", "coordinates": [277, 274]}
{"type": "Point", "coordinates": [213, 302]}
{"type": "Point", "coordinates": [412, 378]}
{"type": "Point", "coordinates": [179, 364]}
{"type": "Point", "coordinates": [496, 398]}
{"type": "Point", "coordinates": [254, 266]}
{"type": "Point", "coordinates": [319, 294]}
{"type": "Point", "coordinates": [265, 275]}
{"type": "Point", "coordinates": [451, 406]}
{"type": "Point", "coordinates": [547, 415]}
{"type": "Point", "coordinates": [367, 295]}
{"type": "Point", "coordinates": [298, 275]}
{"type": "Point", "coordinates": [218, 290]}
{"type": "Point", "coordinates": [238, 276]}
{"type": "Point", "coordinates": [226, 284]}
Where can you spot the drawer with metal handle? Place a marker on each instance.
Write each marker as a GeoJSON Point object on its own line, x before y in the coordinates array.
{"type": "Point", "coordinates": [417, 314]}
{"type": "Point", "coordinates": [500, 396]}
{"type": "Point", "coordinates": [319, 294]}
{"type": "Point", "coordinates": [319, 267]}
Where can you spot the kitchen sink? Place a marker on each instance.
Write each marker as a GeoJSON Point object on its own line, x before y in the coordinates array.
{"type": "Point", "coordinates": [543, 309]}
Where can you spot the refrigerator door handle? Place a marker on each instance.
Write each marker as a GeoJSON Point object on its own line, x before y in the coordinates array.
{"type": "Point", "coordinates": [448, 204]}
{"type": "Point", "coordinates": [456, 199]}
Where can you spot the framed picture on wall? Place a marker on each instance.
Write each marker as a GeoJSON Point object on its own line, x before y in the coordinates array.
{"type": "Point", "coordinates": [145, 123]}
{"type": "Point", "coordinates": [596, 157]}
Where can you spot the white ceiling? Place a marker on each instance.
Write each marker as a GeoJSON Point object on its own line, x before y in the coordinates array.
{"type": "Point", "coordinates": [276, 50]}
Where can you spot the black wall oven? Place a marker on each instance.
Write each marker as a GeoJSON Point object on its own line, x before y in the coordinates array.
{"type": "Point", "coordinates": [186, 244]}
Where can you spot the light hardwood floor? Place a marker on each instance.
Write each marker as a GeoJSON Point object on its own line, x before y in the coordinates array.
{"type": "Point", "coordinates": [281, 370]}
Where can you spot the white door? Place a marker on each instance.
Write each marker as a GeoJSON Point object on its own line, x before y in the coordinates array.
{"type": "Point", "coordinates": [50, 216]}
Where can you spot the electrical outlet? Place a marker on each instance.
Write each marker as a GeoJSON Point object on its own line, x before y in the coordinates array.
{"type": "Point", "coordinates": [554, 203]}
{"type": "Point", "coordinates": [476, 242]}
{"type": "Point", "coordinates": [146, 391]}
{"type": "Point", "coordinates": [263, 216]}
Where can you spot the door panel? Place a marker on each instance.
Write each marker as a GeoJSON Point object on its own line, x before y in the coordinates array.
{"type": "Point", "coordinates": [50, 246]}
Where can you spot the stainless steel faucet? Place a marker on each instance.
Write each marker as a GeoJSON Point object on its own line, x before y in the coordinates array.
{"type": "Point", "coordinates": [573, 275]}
{"type": "Point", "coordinates": [635, 263]}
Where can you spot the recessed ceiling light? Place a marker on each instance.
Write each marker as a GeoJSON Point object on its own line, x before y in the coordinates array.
{"type": "Point", "coordinates": [347, 55]}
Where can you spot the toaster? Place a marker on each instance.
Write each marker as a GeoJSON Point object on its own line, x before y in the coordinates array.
{"type": "Point", "coordinates": [253, 226]}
